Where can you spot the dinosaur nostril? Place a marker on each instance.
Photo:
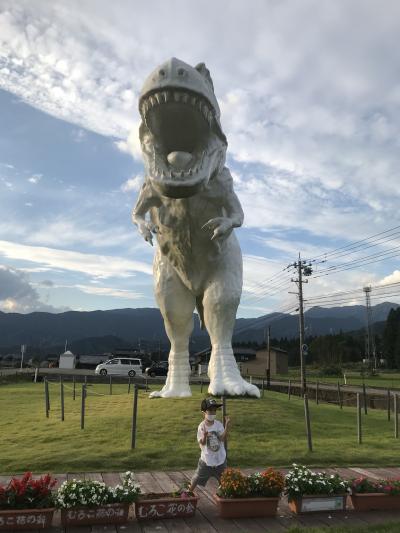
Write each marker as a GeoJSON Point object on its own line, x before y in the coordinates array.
{"type": "Point", "coordinates": [161, 72]}
{"type": "Point", "coordinates": [181, 71]}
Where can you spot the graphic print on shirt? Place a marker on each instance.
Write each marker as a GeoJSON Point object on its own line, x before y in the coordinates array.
{"type": "Point", "coordinates": [213, 442]}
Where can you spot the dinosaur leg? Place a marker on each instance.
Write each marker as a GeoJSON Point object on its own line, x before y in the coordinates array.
{"type": "Point", "coordinates": [221, 300]}
{"type": "Point", "coordinates": [176, 304]}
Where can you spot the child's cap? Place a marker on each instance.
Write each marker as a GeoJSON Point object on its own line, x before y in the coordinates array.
{"type": "Point", "coordinates": [210, 403]}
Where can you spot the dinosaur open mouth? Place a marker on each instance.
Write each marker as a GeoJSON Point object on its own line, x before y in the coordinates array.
{"type": "Point", "coordinates": [180, 123]}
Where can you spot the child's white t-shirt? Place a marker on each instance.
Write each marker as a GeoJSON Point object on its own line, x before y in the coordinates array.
{"type": "Point", "coordinates": [213, 451]}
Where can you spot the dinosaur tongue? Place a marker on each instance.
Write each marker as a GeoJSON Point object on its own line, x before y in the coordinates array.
{"type": "Point", "coordinates": [179, 160]}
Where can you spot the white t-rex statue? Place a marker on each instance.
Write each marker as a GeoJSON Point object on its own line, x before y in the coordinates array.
{"type": "Point", "coordinates": [188, 193]}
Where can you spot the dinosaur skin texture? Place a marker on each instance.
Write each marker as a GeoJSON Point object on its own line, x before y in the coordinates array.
{"type": "Point", "coordinates": [187, 200]}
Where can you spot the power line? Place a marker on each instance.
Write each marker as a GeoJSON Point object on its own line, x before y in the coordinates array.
{"type": "Point", "coordinates": [353, 244]}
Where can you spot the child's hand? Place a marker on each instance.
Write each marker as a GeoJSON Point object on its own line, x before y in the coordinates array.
{"type": "Point", "coordinates": [227, 421]}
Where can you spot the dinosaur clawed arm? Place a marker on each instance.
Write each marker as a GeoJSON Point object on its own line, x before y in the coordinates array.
{"type": "Point", "coordinates": [146, 200]}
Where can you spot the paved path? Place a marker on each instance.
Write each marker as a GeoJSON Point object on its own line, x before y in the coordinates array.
{"type": "Point", "coordinates": [207, 520]}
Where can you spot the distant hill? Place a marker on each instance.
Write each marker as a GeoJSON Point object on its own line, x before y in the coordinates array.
{"type": "Point", "coordinates": [99, 331]}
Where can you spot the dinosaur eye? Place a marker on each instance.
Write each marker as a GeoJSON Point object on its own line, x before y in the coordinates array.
{"type": "Point", "coordinates": [181, 71]}
{"type": "Point", "coordinates": [161, 72]}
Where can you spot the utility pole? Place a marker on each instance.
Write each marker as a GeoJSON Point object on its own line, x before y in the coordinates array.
{"type": "Point", "coordinates": [370, 350]}
{"type": "Point", "coordinates": [269, 358]}
{"type": "Point", "coordinates": [303, 269]}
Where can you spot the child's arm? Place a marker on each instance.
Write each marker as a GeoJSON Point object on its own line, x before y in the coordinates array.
{"type": "Point", "coordinates": [224, 434]}
{"type": "Point", "coordinates": [203, 438]}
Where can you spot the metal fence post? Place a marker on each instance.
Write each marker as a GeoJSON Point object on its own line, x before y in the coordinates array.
{"type": "Point", "coordinates": [110, 384]}
{"type": "Point", "coordinates": [359, 429]}
{"type": "Point", "coordinates": [388, 405]}
{"type": "Point", "coordinates": [73, 388]}
{"type": "Point", "coordinates": [46, 397]}
{"type": "Point", "coordinates": [289, 389]}
{"type": "Point", "coordinates": [223, 400]}
{"type": "Point", "coordinates": [339, 395]}
{"type": "Point", "coordinates": [262, 387]}
{"type": "Point", "coordinates": [134, 416]}
{"type": "Point", "coordinates": [308, 423]}
{"type": "Point", "coordinates": [62, 398]}
{"type": "Point", "coordinates": [83, 406]}
{"type": "Point", "coordinates": [365, 399]}
{"type": "Point", "coordinates": [317, 393]}
{"type": "Point", "coordinates": [396, 416]}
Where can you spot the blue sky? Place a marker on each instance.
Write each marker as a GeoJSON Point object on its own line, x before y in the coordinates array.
{"type": "Point", "coordinates": [309, 93]}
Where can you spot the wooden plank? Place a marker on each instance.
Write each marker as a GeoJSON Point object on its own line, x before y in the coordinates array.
{"type": "Point", "coordinates": [111, 478]}
{"type": "Point", "coordinates": [208, 509]}
{"type": "Point", "coordinates": [168, 485]}
{"type": "Point", "coordinates": [364, 472]}
{"type": "Point", "coordinates": [198, 523]}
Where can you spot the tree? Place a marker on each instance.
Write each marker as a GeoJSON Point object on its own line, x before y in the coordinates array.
{"type": "Point", "coordinates": [391, 339]}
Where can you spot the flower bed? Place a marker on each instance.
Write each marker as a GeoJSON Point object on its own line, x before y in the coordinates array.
{"type": "Point", "coordinates": [309, 491]}
{"type": "Point", "coordinates": [181, 503]}
{"type": "Point", "coordinates": [26, 503]}
{"type": "Point", "coordinates": [240, 496]}
{"type": "Point", "coordinates": [84, 502]}
{"type": "Point", "coordinates": [381, 495]}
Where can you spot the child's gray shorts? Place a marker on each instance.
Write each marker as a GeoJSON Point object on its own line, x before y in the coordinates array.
{"type": "Point", "coordinates": [204, 472]}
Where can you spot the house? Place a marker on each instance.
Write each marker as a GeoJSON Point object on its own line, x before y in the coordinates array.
{"type": "Point", "coordinates": [259, 365]}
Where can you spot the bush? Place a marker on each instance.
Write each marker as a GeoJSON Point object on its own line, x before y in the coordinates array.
{"type": "Point", "coordinates": [86, 493]}
{"type": "Point", "coordinates": [335, 371]}
{"type": "Point", "coordinates": [234, 484]}
{"type": "Point", "coordinates": [300, 480]}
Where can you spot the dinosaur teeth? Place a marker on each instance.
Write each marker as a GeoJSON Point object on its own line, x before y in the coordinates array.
{"type": "Point", "coordinates": [177, 96]}
{"type": "Point", "coordinates": [157, 96]}
{"type": "Point", "coordinates": [166, 96]}
{"type": "Point", "coordinates": [193, 100]}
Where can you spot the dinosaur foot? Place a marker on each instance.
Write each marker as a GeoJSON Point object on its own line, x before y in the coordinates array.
{"type": "Point", "coordinates": [172, 391]}
{"type": "Point", "coordinates": [232, 386]}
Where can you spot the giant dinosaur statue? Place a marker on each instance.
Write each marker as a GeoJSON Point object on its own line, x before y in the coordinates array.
{"type": "Point", "coordinates": [188, 193]}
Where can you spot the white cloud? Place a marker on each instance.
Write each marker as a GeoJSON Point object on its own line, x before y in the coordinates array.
{"type": "Point", "coordinates": [101, 266]}
{"type": "Point", "coordinates": [394, 277]}
{"type": "Point", "coordinates": [35, 178]}
{"type": "Point", "coordinates": [132, 184]}
{"type": "Point", "coordinates": [309, 97]}
{"type": "Point", "coordinates": [17, 295]}
{"type": "Point", "coordinates": [110, 291]}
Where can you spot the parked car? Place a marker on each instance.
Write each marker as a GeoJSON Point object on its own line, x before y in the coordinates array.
{"type": "Point", "coordinates": [121, 366]}
{"type": "Point", "coordinates": [157, 369]}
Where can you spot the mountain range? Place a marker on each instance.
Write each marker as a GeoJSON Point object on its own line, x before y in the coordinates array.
{"type": "Point", "coordinates": [97, 331]}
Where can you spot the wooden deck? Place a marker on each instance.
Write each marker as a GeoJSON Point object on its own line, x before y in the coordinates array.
{"type": "Point", "coordinates": [206, 519]}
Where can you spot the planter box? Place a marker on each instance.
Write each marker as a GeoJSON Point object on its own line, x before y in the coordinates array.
{"type": "Point", "coordinates": [375, 501]}
{"type": "Point", "coordinates": [14, 519]}
{"type": "Point", "coordinates": [310, 503]}
{"type": "Point", "coordinates": [246, 507]}
{"type": "Point", "coordinates": [164, 506]}
{"type": "Point", "coordinates": [112, 513]}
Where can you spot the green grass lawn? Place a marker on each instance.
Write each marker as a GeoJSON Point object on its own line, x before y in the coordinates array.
{"type": "Point", "coordinates": [264, 432]}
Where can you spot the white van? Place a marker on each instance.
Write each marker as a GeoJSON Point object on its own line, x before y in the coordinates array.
{"type": "Point", "coordinates": [121, 366]}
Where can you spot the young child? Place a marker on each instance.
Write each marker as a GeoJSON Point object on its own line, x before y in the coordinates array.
{"type": "Point", "coordinates": [210, 436]}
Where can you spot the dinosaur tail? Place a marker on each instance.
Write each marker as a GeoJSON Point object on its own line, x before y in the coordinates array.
{"type": "Point", "coordinates": [200, 310]}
